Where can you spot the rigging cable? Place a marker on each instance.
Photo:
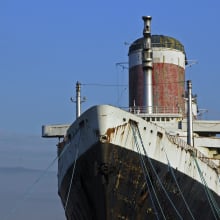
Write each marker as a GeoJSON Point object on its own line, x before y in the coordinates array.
{"type": "Point", "coordinates": [74, 166]}
{"type": "Point", "coordinates": [126, 85]}
{"type": "Point", "coordinates": [214, 206]}
{"type": "Point", "coordinates": [158, 178]}
{"type": "Point", "coordinates": [145, 171]}
{"type": "Point", "coordinates": [73, 171]}
{"type": "Point", "coordinates": [181, 193]}
{"type": "Point", "coordinates": [30, 190]}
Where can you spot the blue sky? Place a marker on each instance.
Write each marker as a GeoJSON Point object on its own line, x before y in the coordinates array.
{"type": "Point", "coordinates": [46, 46]}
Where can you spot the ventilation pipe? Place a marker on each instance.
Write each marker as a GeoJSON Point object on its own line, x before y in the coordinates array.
{"type": "Point", "coordinates": [147, 65]}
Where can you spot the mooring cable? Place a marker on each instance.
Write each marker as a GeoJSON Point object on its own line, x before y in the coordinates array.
{"type": "Point", "coordinates": [211, 200]}
{"type": "Point", "coordinates": [30, 190]}
{"type": "Point", "coordinates": [181, 193]}
{"type": "Point", "coordinates": [147, 177]}
{"type": "Point", "coordinates": [71, 181]}
{"type": "Point", "coordinates": [158, 178]}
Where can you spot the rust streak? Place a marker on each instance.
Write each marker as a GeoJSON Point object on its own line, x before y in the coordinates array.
{"type": "Point", "coordinates": [109, 132]}
{"type": "Point", "coordinates": [113, 131]}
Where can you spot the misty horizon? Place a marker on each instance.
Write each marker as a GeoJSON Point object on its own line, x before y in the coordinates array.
{"type": "Point", "coordinates": [24, 197]}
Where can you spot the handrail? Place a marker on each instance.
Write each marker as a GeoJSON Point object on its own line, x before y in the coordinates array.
{"type": "Point", "coordinates": [181, 143]}
{"type": "Point", "coordinates": [155, 110]}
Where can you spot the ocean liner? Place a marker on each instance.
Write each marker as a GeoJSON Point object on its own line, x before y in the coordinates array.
{"type": "Point", "coordinates": [154, 160]}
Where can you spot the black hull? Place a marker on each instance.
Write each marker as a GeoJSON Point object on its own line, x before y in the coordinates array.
{"type": "Point", "coordinates": [109, 184]}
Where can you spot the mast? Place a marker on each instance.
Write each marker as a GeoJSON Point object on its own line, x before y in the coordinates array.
{"type": "Point", "coordinates": [147, 65]}
{"type": "Point", "coordinates": [189, 114]}
{"type": "Point", "coordinates": [78, 99]}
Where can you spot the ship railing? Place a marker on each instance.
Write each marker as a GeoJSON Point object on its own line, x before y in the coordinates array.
{"type": "Point", "coordinates": [180, 143]}
{"type": "Point", "coordinates": [155, 110]}
{"type": "Point", "coordinates": [193, 151]}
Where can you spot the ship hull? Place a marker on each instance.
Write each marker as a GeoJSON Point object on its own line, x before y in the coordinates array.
{"type": "Point", "coordinates": [109, 183]}
{"type": "Point", "coordinates": [102, 176]}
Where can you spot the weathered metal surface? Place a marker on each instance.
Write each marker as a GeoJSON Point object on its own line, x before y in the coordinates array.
{"type": "Point", "coordinates": [180, 143]}
{"type": "Point", "coordinates": [202, 126]}
{"type": "Point", "coordinates": [54, 131]}
{"type": "Point", "coordinates": [108, 173]}
{"type": "Point", "coordinates": [109, 183]}
{"type": "Point", "coordinates": [147, 65]}
{"type": "Point", "coordinates": [168, 86]}
{"type": "Point", "coordinates": [159, 41]}
{"type": "Point", "coordinates": [167, 79]}
{"type": "Point", "coordinates": [118, 131]}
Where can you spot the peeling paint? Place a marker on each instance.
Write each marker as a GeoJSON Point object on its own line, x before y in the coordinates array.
{"type": "Point", "coordinates": [114, 132]}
